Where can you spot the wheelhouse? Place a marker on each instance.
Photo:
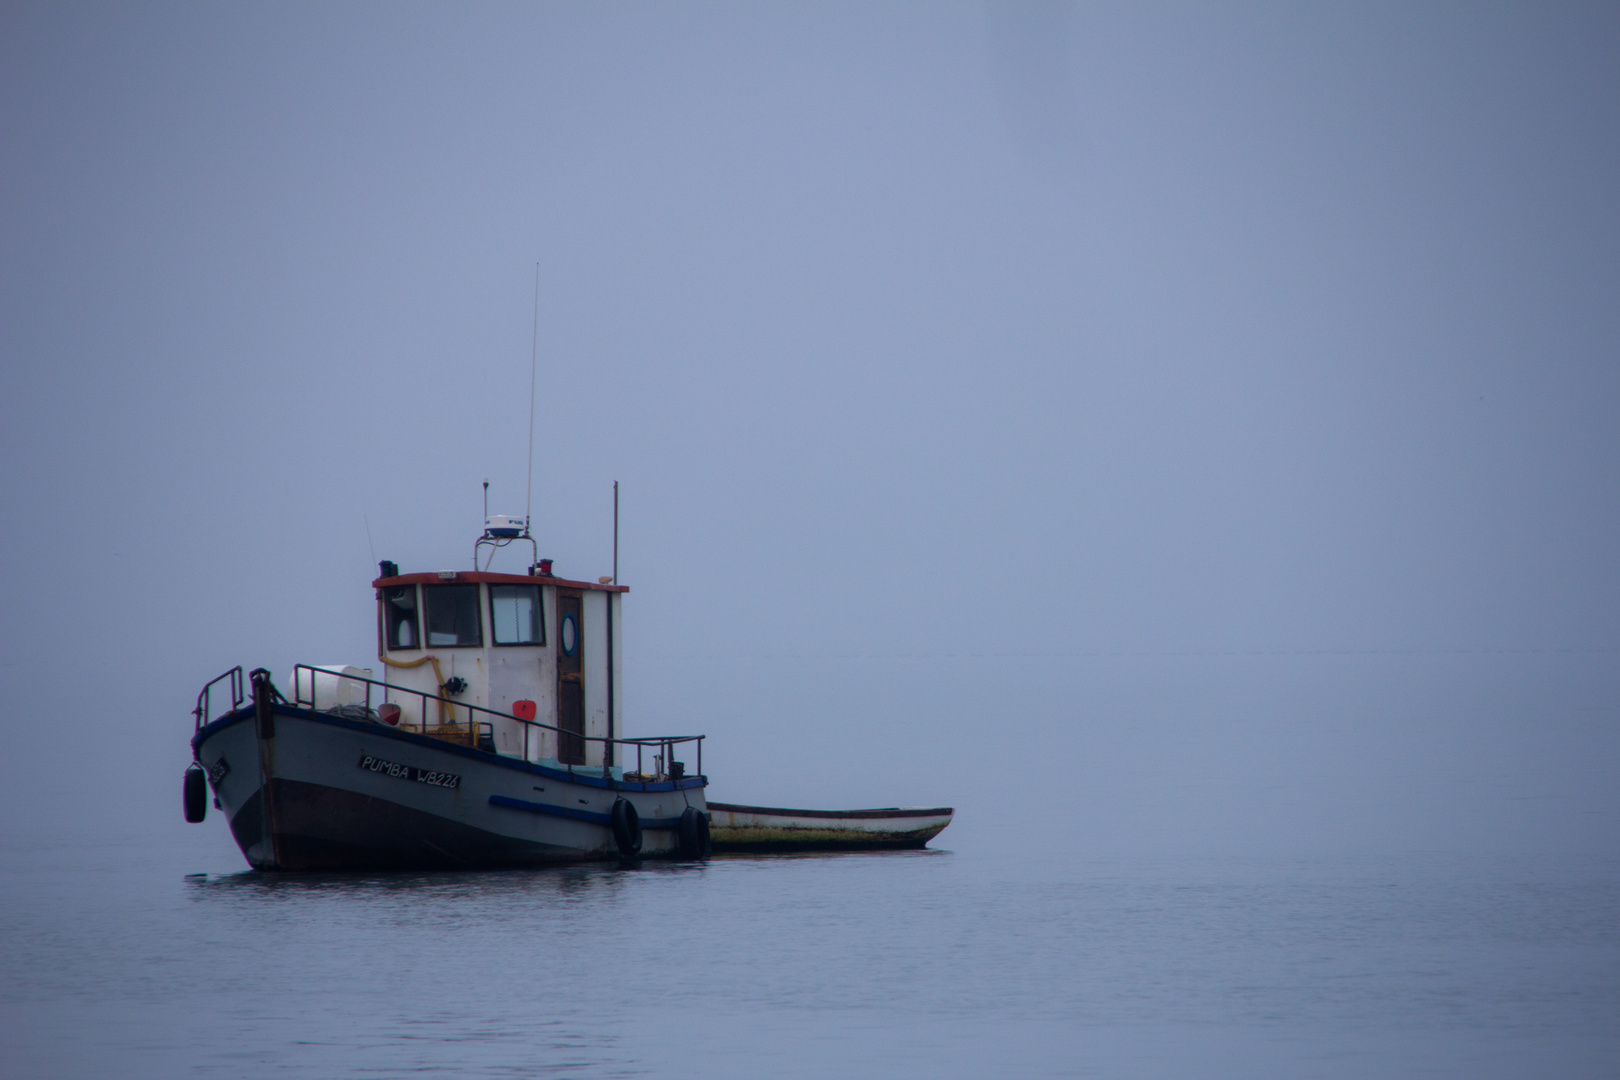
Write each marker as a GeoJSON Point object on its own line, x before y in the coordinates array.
{"type": "Point", "coordinates": [538, 647]}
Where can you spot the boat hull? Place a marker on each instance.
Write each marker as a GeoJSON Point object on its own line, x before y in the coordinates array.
{"type": "Point", "coordinates": [738, 828]}
{"type": "Point", "coordinates": [313, 791]}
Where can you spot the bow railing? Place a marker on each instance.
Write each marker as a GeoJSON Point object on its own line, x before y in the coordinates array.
{"type": "Point", "coordinates": [203, 712]}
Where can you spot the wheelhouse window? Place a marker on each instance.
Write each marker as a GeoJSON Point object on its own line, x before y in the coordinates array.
{"type": "Point", "coordinates": [400, 624]}
{"type": "Point", "coordinates": [516, 616]}
{"type": "Point", "coordinates": [452, 615]}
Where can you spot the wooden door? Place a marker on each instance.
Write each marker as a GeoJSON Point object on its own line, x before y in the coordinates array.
{"type": "Point", "coordinates": [570, 678]}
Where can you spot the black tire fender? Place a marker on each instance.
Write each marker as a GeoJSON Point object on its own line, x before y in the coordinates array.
{"type": "Point", "coordinates": [693, 832]}
{"type": "Point", "coordinates": [705, 842]}
{"type": "Point", "coordinates": [626, 827]}
{"type": "Point", "coordinates": [195, 793]}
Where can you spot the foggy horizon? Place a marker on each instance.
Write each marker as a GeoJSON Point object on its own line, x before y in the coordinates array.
{"type": "Point", "coordinates": [1179, 438]}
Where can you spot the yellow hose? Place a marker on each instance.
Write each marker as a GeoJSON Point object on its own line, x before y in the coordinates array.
{"type": "Point", "coordinates": [438, 677]}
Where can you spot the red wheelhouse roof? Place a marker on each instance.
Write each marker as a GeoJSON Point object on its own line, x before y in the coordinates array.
{"type": "Point", "coordinates": [464, 577]}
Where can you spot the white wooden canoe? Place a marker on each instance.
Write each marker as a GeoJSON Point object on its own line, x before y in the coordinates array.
{"type": "Point", "coordinates": [772, 828]}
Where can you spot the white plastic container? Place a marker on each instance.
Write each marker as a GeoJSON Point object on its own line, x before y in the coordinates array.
{"type": "Point", "coordinates": [329, 687]}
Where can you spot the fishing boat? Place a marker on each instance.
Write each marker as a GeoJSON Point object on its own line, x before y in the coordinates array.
{"type": "Point", "coordinates": [737, 828]}
{"type": "Point", "coordinates": [493, 737]}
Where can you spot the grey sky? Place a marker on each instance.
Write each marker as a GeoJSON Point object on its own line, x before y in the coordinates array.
{"type": "Point", "coordinates": [943, 351]}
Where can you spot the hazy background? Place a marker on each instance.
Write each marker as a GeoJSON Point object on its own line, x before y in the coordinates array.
{"type": "Point", "coordinates": [1144, 427]}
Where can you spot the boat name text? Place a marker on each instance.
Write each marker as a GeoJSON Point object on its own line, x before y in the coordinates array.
{"type": "Point", "coordinates": [409, 772]}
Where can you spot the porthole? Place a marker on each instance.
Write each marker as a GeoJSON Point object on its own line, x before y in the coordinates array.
{"type": "Point", "coordinates": [570, 635]}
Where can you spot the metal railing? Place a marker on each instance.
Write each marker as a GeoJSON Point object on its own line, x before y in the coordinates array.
{"type": "Point", "coordinates": [307, 677]}
{"type": "Point", "coordinates": [203, 711]}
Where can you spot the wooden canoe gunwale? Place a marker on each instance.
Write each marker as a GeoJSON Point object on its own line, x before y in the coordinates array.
{"type": "Point", "coordinates": [873, 814]}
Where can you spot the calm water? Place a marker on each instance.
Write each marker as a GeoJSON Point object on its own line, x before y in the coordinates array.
{"type": "Point", "coordinates": [954, 963]}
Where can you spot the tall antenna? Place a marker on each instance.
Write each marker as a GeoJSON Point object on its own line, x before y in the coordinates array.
{"type": "Point", "coordinates": [534, 363]}
{"type": "Point", "coordinates": [615, 532]}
